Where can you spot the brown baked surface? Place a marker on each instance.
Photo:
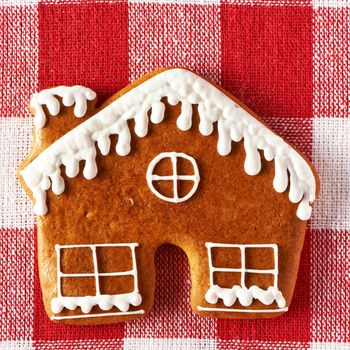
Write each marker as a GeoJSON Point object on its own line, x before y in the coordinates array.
{"type": "Point", "coordinates": [117, 206]}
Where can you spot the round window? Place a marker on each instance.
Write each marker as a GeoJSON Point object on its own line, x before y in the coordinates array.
{"type": "Point", "coordinates": [173, 176]}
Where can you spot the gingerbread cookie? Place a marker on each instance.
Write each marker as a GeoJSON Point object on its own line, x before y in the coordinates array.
{"type": "Point", "coordinates": [172, 158]}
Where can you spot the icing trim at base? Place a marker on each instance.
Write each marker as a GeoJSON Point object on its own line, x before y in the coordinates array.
{"type": "Point", "coordinates": [233, 122]}
{"type": "Point", "coordinates": [219, 309]}
{"type": "Point", "coordinates": [104, 301]}
{"type": "Point", "coordinates": [107, 314]}
{"type": "Point", "coordinates": [245, 296]}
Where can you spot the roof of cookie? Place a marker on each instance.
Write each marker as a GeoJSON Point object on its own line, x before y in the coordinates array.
{"type": "Point", "coordinates": [179, 85]}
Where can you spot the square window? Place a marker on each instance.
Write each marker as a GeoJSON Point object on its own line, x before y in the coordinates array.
{"type": "Point", "coordinates": [110, 259]}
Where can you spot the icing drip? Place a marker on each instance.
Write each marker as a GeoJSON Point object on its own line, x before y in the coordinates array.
{"type": "Point", "coordinates": [244, 295]}
{"type": "Point", "coordinates": [178, 85]}
{"type": "Point", "coordinates": [70, 95]}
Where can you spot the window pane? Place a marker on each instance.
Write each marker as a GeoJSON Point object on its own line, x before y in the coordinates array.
{"type": "Point", "coordinates": [78, 286]}
{"type": "Point", "coordinates": [261, 280]}
{"type": "Point", "coordinates": [260, 258]}
{"type": "Point", "coordinates": [76, 260]}
{"type": "Point", "coordinates": [227, 279]}
{"type": "Point", "coordinates": [114, 259]}
{"type": "Point", "coordinates": [116, 284]}
{"type": "Point", "coordinates": [226, 257]}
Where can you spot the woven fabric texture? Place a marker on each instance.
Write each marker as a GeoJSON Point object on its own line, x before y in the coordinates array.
{"type": "Point", "coordinates": [286, 59]}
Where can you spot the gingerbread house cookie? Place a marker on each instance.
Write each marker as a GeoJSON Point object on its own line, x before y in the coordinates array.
{"type": "Point", "coordinates": [172, 158]}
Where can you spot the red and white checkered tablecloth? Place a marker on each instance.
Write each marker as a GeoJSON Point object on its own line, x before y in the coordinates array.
{"type": "Point", "coordinates": [287, 59]}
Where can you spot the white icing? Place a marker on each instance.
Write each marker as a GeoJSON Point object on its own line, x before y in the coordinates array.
{"type": "Point", "coordinates": [241, 293]}
{"type": "Point", "coordinates": [106, 314]}
{"type": "Point", "coordinates": [178, 85]}
{"type": "Point", "coordinates": [104, 301]}
{"type": "Point", "coordinates": [70, 95]}
{"type": "Point", "coordinates": [174, 177]}
{"type": "Point", "coordinates": [245, 296]}
{"type": "Point", "coordinates": [252, 311]}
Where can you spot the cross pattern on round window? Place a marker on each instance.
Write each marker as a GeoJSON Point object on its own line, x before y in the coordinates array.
{"type": "Point", "coordinates": [174, 177]}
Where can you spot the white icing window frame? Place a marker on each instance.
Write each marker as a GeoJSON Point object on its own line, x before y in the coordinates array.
{"type": "Point", "coordinates": [241, 293]}
{"type": "Point", "coordinates": [243, 271]}
{"type": "Point", "coordinates": [104, 301]}
{"type": "Point", "coordinates": [174, 177]}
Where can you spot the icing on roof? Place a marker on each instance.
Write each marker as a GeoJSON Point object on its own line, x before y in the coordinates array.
{"type": "Point", "coordinates": [77, 95]}
{"type": "Point", "coordinates": [178, 85]}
